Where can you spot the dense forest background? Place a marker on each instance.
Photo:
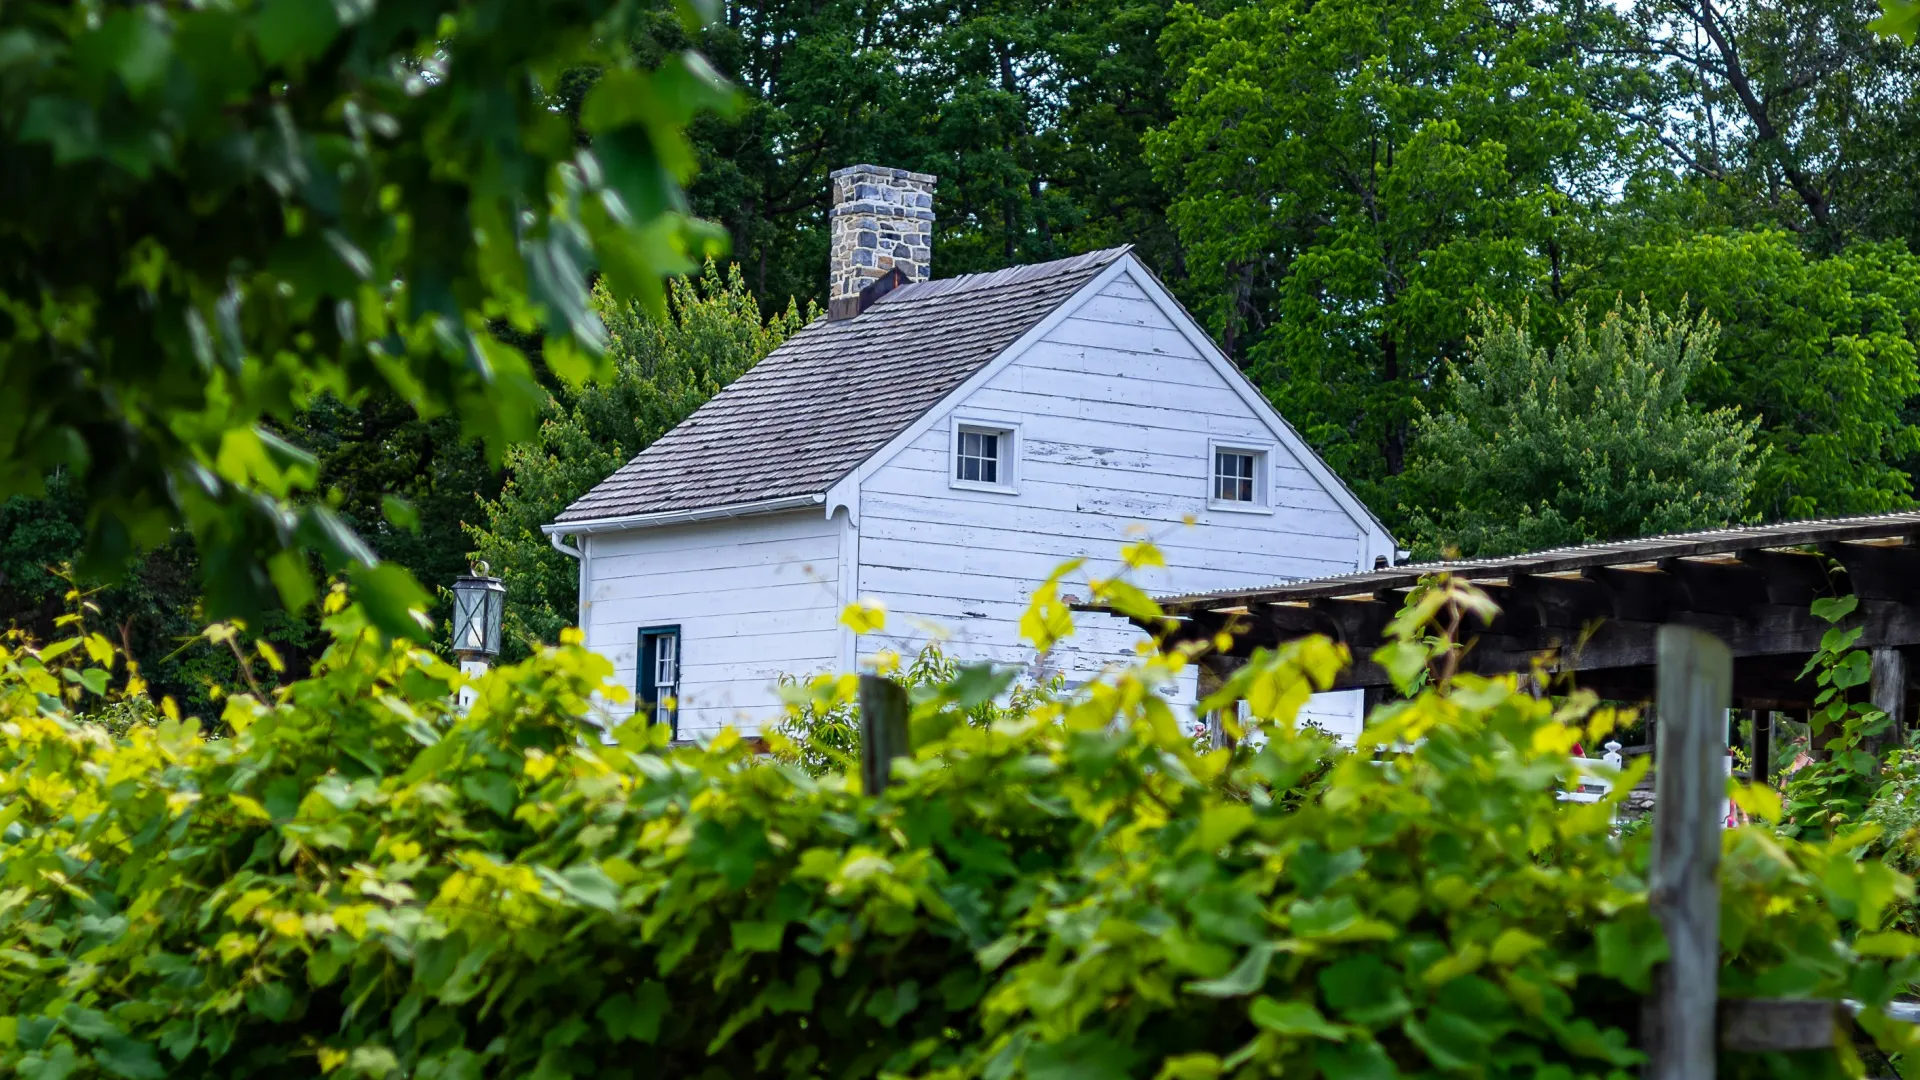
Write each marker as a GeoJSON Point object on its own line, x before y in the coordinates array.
{"type": "Point", "coordinates": [1387, 211]}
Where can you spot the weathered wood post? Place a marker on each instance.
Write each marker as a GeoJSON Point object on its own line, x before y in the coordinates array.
{"type": "Point", "coordinates": [884, 733]}
{"type": "Point", "coordinates": [1695, 688]}
{"type": "Point", "coordinates": [1889, 693]}
{"type": "Point", "coordinates": [1762, 747]}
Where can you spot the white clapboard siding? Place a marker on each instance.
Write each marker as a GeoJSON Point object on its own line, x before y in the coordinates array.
{"type": "Point", "coordinates": [755, 598]}
{"type": "Point", "coordinates": [1117, 411]}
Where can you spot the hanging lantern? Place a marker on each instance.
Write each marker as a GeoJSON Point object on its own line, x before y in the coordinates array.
{"type": "Point", "coordinates": [479, 602]}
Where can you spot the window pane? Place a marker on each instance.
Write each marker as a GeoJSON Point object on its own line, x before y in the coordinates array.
{"type": "Point", "coordinates": [664, 661]}
{"type": "Point", "coordinates": [977, 456]}
{"type": "Point", "coordinates": [1233, 476]}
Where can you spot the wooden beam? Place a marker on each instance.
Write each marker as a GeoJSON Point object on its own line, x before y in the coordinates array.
{"type": "Point", "coordinates": [1288, 620]}
{"type": "Point", "coordinates": [1696, 684]}
{"type": "Point", "coordinates": [1360, 622]}
{"type": "Point", "coordinates": [1563, 603]}
{"type": "Point", "coordinates": [1794, 578]}
{"type": "Point", "coordinates": [1877, 572]}
{"type": "Point", "coordinates": [1788, 633]}
{"type": "Point", "coordinates": [1721, 588]}
{"type": "Point", "coordinates": [1640, 595]}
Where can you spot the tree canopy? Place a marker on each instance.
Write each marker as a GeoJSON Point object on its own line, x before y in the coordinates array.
{"type": "Point", "coordinates": [1821, 350]}
{"type": "Point", "coordinates": [1030, 113]}
{"type": "Point", "coordinates": [1349, 179]}
{"type": "Point", "coordinates": [1332, 188]}
{"type": "Point", "coordinates": [1594, 438]}
{"type": "Point", "coordinates": [663, 369]}
{"type": "Point", "coordinates": [215, 213]}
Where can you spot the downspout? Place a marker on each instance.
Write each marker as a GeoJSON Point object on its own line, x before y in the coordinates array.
{"type": "Point", "coordinates": [586, 563]}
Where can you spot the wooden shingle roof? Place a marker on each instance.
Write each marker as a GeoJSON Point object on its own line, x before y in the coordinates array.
{"type": "Point", "coordinates": [836, 392]}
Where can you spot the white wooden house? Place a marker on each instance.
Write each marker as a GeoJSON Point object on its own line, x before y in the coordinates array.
{"type": "Point", "coordinates": [941, 446]}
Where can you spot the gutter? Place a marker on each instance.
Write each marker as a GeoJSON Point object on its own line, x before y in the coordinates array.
{"type": "Point", "coordinates": [559, 529]}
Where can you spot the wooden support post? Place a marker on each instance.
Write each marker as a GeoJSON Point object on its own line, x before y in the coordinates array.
{"type": "Point", "coordinates": [1211, 673]}
{"type": "Point", "coordinates": [1889, 689]}
{"type": "Point", "coordinates": [1695, 688]}
{"type": "Point", "coordinates": [883, 731]}
{"type": "Point", "coordinates": [1761, 747]}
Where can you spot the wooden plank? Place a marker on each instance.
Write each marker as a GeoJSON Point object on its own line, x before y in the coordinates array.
{"type": "Point", "coordinates": [1695, 687]}
{"type": "Point", "coordinates": [1201, 390]}
{"type": "Point", "coordinates": [1133, 365]}
{"type": "Point", "coordinates": [1122, 311]}
{"type": "Point", "coordinates": [1167, 342]}
{"type": "Point", "coordinates": [883, 731]}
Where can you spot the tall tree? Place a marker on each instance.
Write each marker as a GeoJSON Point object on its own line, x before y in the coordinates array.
{"type": "Point", "coordinates": [1786, 114]}
{"type": "Point", "coordinates": [1030, 114]}
{"type": "Point", "coordinates": [408, 485]}
{"type": "Point", "coordinates": [1593, 439]}
{"type": "Point", "coordinates": [663, 370]}
{"type": "Point", "coordinates": [1351, 178]}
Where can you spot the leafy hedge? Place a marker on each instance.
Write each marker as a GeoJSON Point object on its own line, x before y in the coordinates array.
{"type": "Point", "coordinates": [360, 881]}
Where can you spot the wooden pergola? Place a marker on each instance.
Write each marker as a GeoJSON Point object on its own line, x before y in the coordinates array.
{"type": "Point", "coordinates": [1594, 612]}
{"type": "Point", "coordinates": [1707, 620]}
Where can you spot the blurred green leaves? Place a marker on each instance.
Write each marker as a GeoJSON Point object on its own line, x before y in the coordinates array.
{"type": "Point", "coordinates": [214, 214]}
{"type": "Point", "coordinates": [1899, 19]}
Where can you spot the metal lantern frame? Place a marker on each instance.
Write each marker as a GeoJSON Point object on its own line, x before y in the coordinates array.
{"type": "Point", "coordinates": [479, 604]}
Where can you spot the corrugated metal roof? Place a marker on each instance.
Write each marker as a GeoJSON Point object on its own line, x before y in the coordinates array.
{"type": "Point", "coordinates": [836, 392]}
{"type": "Point", "coordinates": [1649, 549]}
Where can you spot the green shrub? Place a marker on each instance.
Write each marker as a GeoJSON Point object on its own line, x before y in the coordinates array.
{"type": "Point", "coordinates": [821, 729]}
{"type": "Point", "coordinates": [361, 881]}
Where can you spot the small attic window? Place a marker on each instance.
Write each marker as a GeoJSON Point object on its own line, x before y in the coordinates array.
{"type": "Point", "coordinates": [1239, 479]}
{"type": "Point", "coordinates": [983, 456]}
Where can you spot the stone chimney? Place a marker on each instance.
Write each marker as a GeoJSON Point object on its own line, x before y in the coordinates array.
{"type": "Point", "coordinates": [881, 221]}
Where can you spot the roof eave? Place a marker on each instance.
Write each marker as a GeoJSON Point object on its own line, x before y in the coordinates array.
{"type": "Point", "coordinates": [679, 517]}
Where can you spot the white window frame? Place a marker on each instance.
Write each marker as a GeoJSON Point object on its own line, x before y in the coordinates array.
{"type": "Point", "coordinates": [1262, 454]}
{"type": "Point", "coordinates": [1008, 432]}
